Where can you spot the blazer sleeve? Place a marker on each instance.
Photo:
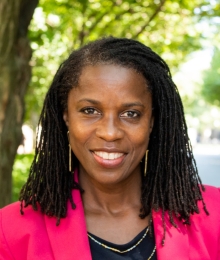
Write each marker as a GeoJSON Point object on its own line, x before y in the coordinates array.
{"type": "Point", "coordinates": [4, 250]}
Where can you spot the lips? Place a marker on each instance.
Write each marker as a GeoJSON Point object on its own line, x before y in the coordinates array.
{"type": "Point", "coordinates": [108, 159]}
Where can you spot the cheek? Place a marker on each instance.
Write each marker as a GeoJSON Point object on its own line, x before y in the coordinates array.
{"type": "Point", "coordinates": [140, 144]}
{"type": "Point", "coordinates": [142, 134]}
{"type": "Point", "coordinates": [140, 140]}
{"type": "Point", "coordinates": [79, 136]}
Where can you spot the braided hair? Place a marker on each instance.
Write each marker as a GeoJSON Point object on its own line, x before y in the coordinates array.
{"type": "Point", "coordinates": [172, 183]}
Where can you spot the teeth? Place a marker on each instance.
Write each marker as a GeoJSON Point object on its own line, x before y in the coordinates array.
{"type": "Point", "coordinates": [108, 156]}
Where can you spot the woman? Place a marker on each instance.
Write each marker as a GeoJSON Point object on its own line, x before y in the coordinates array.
{"type": "Point", "coordinates": [94, 191]}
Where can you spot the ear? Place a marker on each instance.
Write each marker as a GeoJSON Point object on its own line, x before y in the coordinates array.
{"type": "Point", "coordinates": [66, 118]}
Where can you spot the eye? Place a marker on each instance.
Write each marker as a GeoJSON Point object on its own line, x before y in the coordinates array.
{"type": "Point", "coordinates": [90, 111]}
{"type": "Point", "coordinates": [130, 114]}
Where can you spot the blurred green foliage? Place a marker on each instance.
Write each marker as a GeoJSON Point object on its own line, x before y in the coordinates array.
{"type": "Point", "coordinates": [211, 83]}
{"type": "Point", "coordinates": [58, 27]}
{"type": "Point", "coordinates": [20, 173]}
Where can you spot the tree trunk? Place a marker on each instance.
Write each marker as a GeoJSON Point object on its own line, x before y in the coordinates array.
{"type": "Point", "coordinates": [15, 73]}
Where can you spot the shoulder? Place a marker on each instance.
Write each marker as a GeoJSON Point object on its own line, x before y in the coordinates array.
{"type": "Point", "coordinates": [11, 220]}
{"type": "Point", "coordinates": [19, 233]}
{"type": "Point", "coordinates": [211, 197]}
{"type": "Point", "coordinates": [210, 192]}
{"type": "Point", "coordinates": [200, 238]}
{"type": "Point", "coordinates": [11, 214]}
{"type": "Point", "coordinates": [204, 230]}
{"type": "Point", "coordinates": [211, 201]}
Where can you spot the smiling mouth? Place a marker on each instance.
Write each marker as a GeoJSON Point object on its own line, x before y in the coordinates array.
{"type": "Point", "coordinates": [108, 156]}
{"type": "Point", "coordinates": [109, 160]}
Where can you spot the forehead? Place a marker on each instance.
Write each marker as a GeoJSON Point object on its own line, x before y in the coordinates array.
{"type": "Point", "coordinates": [110, 86]}
{"type": "Point", "coordinates": [111, 79]}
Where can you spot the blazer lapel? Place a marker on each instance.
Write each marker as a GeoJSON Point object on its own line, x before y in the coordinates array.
{"type": "Point", "coordinates": [176, 241]}
{"type": "Point", "coordinates": [69, 240]}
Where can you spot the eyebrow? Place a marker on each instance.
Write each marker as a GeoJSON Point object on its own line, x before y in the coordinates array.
{"type": "Point", "coordinates": [96, 102]}
{"type": "Point", "coordinates": [133, 104]}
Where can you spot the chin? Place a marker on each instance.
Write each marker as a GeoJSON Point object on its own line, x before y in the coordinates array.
{"type": "Point", "coordinates": [109, 178]}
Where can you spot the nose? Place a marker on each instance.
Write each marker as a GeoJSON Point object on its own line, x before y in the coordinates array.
{"type": "Point", "coordinates": [109, 128]}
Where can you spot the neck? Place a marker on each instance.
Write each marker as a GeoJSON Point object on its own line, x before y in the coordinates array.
{"type": "Point", "coordinates": [111, 199]}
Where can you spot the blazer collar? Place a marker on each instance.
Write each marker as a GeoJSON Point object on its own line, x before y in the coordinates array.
{"type": "Point", "coordinates": [69, 240]}
{"type": "Point", "coordinates": [176, 239]}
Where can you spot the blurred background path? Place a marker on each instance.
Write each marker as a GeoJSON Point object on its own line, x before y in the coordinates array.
{"type": "Point", "coordinates": [208, 162]}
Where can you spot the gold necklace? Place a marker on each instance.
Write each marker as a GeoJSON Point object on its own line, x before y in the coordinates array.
{"type": "Point", "coordinates": [127, 250]}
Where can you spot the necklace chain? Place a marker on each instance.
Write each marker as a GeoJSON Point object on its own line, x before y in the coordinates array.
{"type": "Point", "coordinates": [127, 250]}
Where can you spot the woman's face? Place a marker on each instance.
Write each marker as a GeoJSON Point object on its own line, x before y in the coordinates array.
{"type": "Point", "coordinates": [109, 117]}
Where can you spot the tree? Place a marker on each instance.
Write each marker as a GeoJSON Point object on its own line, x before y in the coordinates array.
{"type": "Point", "coordinates": [15, 73]}
{"type": "Point", "coordinates": [211, 82]}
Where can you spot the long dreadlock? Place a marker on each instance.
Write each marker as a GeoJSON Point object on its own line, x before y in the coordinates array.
{"type": "Point", "coordinates": [172, 183]}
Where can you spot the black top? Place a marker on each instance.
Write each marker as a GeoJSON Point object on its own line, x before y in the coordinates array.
{"type": "Point", "coordinates": [140, 252]}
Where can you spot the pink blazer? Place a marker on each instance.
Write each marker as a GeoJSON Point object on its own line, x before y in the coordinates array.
{"type": "Point", "coordinates": [36, 236]}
